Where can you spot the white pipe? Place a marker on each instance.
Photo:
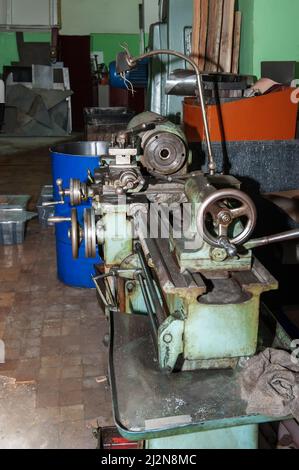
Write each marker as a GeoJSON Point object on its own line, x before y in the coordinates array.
{"type": "Point", "coordinates": [2, 92]}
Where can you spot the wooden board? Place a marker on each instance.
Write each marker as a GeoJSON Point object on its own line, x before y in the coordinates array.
{"type": "Point", "coordinates": [203, 33]}
{"type": "Point", "coordinates": [237, 42]}
{"type": "Point", "coordinates": [196, 30]}
{"type": "Point", "coordinates": [214, 35]}
{"type": "Point", "coordinates": [227, 35]}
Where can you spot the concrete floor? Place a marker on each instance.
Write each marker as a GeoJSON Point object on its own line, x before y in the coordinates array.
{"type": "Point", "coordinates": [53, 390]}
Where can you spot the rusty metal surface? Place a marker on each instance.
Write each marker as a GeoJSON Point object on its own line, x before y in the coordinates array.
{"type": "Point", "coordinates": [168, 272]}
{"type": "Point", "coordinates": [166, 404]}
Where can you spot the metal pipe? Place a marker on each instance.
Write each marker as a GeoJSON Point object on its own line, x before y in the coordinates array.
{"type": "Point", "coordinates": [150, 283]}
{"type": "Point", "coordinates": [132, 63]}
{"type": "Point", "coordinates": [181, 83]}
{"type": "Point", "coordinates": [278, 238]}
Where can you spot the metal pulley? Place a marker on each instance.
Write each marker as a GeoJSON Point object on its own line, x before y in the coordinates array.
{"type": "Point", "coordinates": [90, 233]}
{"type": "Point", "coordinates": [77, 192]}
{"type": "Point", "coordinates": [77, 233]}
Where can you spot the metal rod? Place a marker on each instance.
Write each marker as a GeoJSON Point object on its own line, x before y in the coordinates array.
{"type": "Point", "coordinates": [151, 314]}
{"type": "Point", "coordinates": [278, 238]}
{"type": "Point", "coordinates": [99, 291]}
{"type": "Point", "coordinates": [150, 284]}
{"type": "Point", "coordinates": [58, 220]}
{"type": "Point", "coordinates": [132, 61]}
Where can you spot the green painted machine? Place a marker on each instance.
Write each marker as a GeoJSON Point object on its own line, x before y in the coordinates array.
{"type": "Point", "coordinates": [180, 287]}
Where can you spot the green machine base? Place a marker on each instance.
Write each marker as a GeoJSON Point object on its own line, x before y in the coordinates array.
{"type": "Point", "coordinates": [241, 437]}
{"type": "Point", "coordinates": [200, 409]}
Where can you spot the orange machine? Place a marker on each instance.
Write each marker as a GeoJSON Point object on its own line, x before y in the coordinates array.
{"type": "Point", "coordinates": [269, 117]}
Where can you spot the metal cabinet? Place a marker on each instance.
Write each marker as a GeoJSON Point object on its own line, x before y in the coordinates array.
{"type": "Point", "coordinates": [36, 15]}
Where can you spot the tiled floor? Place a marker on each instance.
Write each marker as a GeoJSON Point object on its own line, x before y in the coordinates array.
{"type": "Point", "coordinates": [52, 334]}
{"type": "Point", "coordinates": [13, 145]}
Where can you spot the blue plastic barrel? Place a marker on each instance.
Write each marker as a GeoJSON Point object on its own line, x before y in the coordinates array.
{"type": "Point", "coordinates": [73, 160]}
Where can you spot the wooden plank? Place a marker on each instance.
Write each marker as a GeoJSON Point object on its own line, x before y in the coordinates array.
{"type": "Point", "coordinates": [196, 29]}
{"type": "Point", "coordinates": [214, 35]}
{"type": "Point", "coordinates": [237, 42]}
{"type": "Point", "coordinates": [203, 34]}
{"type": "Point", "coordinates": [227, 35]}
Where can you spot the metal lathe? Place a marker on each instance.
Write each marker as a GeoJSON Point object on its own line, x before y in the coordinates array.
{"type": "Point", "coordinates": [180, 286]}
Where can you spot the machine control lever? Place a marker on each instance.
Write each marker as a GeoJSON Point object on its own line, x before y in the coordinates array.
{"type": "Point", "coordinates": [61, 192]}
{"type": "Point", "coordinates": [123, 136]}
{"type": "Point", "coordinates": [52, 203]}
{"type": "Point", "coordinates": [230, 249]}
{"type": "Point", "coordinates": [150, 126]}
{"type": "Point", "coordinates": [278, 238]}
{"type": "Point", "coordinates": [58, 220]}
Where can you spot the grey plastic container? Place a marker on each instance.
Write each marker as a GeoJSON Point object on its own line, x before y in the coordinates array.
{"type": "Point", "coordinates": [44, 212]}
{"type": "Point", "coordinates": [12, 225]}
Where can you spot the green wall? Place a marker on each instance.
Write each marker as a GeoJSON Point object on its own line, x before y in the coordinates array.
{"type": "Point", "coordinates": [8, 49]}
{"type": "Point", "coordinates": [269, 32]}
{"type": "Point", "coordinates": [247, 37]}
{"type": "Point", "coordinates": [8, 45]}
{"type": "Point", "coordinates": [110, 44]}
{"type": "Point", "coordinates": [276, 28]}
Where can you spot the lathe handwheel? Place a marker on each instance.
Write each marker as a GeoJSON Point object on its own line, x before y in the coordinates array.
{"type": "Point", "coordinates": [221, 206]}
{"type": "Point", "coordinates": [90, 233]}
{"type": "Point", "coordinates": [75, 234]}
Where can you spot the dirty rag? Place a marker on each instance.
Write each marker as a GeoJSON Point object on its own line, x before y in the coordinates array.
{"type": "Point", "coordinates": [270, 384]}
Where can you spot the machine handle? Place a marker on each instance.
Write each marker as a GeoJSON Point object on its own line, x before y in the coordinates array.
{"type": "Point", "coordinates": [279, 237]}
{"type": "Point", "coordinates": [141, 128]}
{"type": "Point", "coordinates": [52, 203]}
{"type": "Point", "coordinates": [133, 131]}
{"type": "Point", "coordinates": [62, 192]}
{"type": "Point", "coordinates": [58, 220]}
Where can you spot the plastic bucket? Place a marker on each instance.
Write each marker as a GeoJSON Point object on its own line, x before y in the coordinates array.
{"type": "Point", "coordinates": [73, 160]}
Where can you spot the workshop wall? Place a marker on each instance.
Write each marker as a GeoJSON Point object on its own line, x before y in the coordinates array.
{"type": "Point", "coordinates": [247, 37]}
{"type": "Point", "coordinates": [8, 45]}
{"type": "Point", "coordinates": [99, 16]}
{"type": "Point", "coordinates": [270, 32]}
{"type": "Point", "coordinates": [110, 23]}
{"type": "Point", "coordinates": [110, 44]}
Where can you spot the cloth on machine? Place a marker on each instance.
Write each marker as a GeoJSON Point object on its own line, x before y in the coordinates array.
{"type": "Point", "coordinates": [270, 384]}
